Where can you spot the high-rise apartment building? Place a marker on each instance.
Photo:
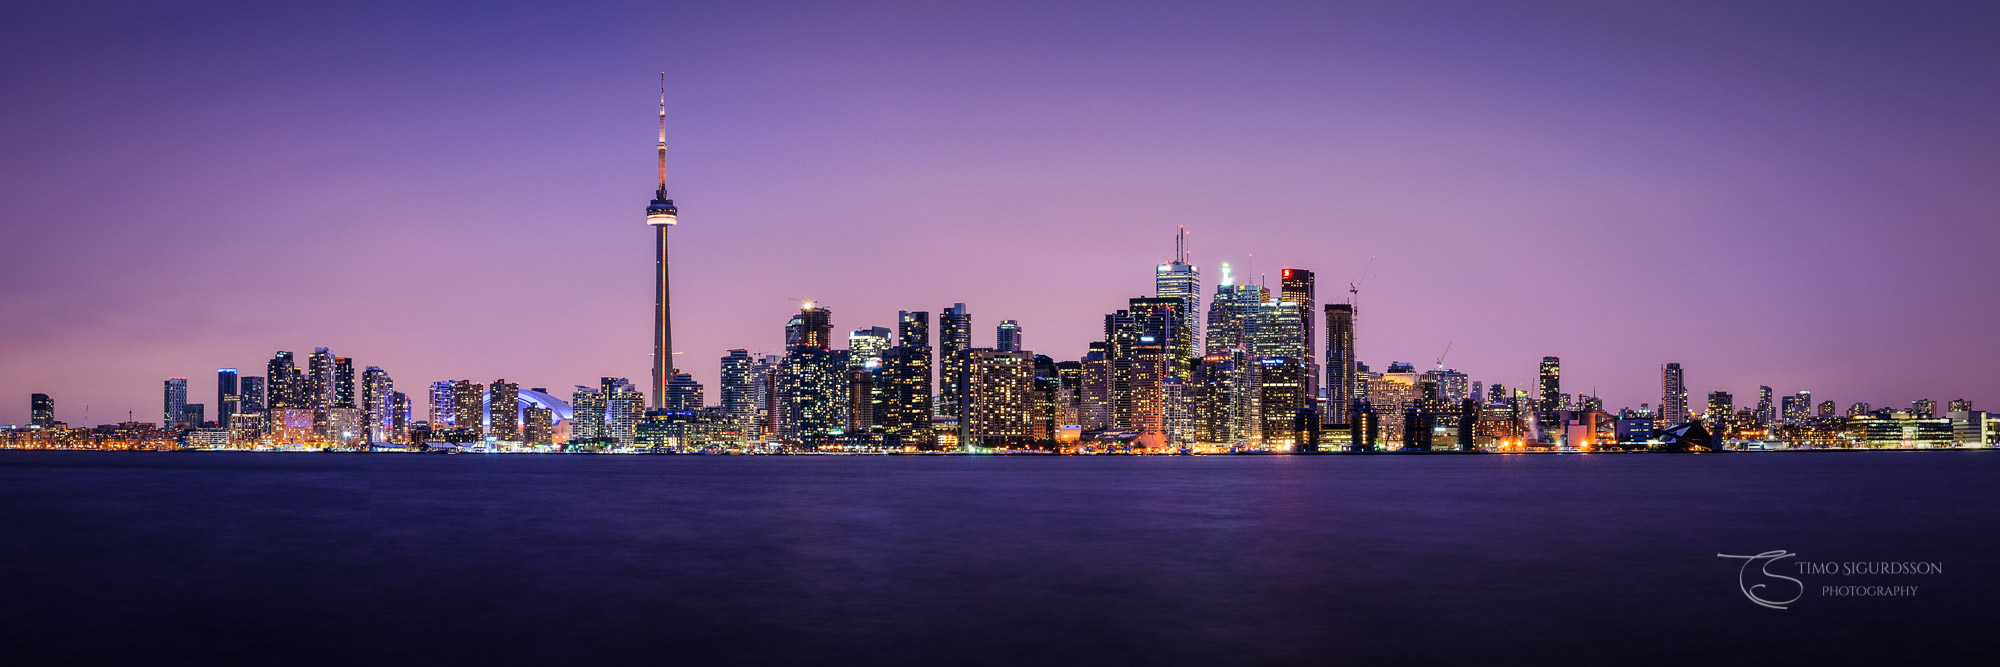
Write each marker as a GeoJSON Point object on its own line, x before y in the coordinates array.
{"type": "Point", "coordinates": [1549, 382]}
{"type": "Point", "coordinates": [378, 401]}
{"type": "Point", "coordinates": [282, 385]}
{"type": "Point", "coordinates": [1673, 395]}
{"type": "Point", "coordinates": [250, 394]}
{"type": "Point", "coordinates": [1007, 336]}
{"type": "Point", "coordinates": [1924, 408]}
{"type": "Point", "coordinates": [176, 403]}
{"type": "Point", "coordinates": [343, 382]}
{"type": "Point", "coordinates": [469, 408]}
{"type": "Point", "coordinates": [1339, 361]}
{"type": "Point", "coordinates": [865, 346]}
{"type": "Point", "coordinates": [443, 408]}
{"type": "Point", "coordinates": [227, 400]}
{"type": "Point", "coordinates": [503, 411]}
{"type": "Point", "coordinates": [739, 394]}
{"type": "Point", "coordinates": [321, 390]}
{"type": "Point", "coordinates": [41, 410]}
{"type": "Point", "coordinates": [954, 335]}
{"type": "Point", "coordinates": [998, 398]}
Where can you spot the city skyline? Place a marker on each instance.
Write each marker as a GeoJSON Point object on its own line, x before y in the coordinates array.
{"type": "Point", "coordinates": [1498, 296]}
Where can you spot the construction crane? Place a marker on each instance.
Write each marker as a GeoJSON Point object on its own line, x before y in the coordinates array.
{"type": "Point", "coordinates": [1447, 351]}
{"type": "Point", "coordinates": [1354, 288]}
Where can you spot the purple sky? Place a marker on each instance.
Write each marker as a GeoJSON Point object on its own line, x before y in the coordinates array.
{"type": "Point", "coordinates": [1802, 195]}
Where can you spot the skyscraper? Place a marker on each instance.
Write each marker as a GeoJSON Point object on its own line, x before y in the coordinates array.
{"type": "Point", "coordinates": [1550, 384]}
{"type": "Point", "coordinates": [998, 398]}
{"type": "Point", "coordinates": [865, 346]}
{"type": "Point", "coordinates": [41, 410]}
{"type": "Point", "coordinates": [812, 326]}
{"type": "Point", "coordinates": [913, 328]}
{"type": "Point", "coordinates": [1228, 315]}
{"type": "Point", "coordinates": [1007, 336]}
{"type": "Point", "coordinates": [1673, 395]}
{"type": "Point", "coordinates": [251, 399]}
{"type": "Point", "coordinates": [1296, 287]}
{"type": "Point", "coordinates": [1339, 361]}
{"type": "Point", "coordinates": [343, 382]}
{"type": "Point", "coordinates": [954, 334]}
{"type": "Point", "coordinates": [176, 402]}
{"type": "Point", "coordinates": [503, 411]}
{"type": "Point", "coordinates": [281, 376]}
{"type": "Point", "coordinates": [661, 214]}
{"type": "Point", "coordinates": [1765, 413]}
{"type": "Point", "coordinates": [443, 407]}
{"type": "Point", "coordinates": [227, 400]}
{"type": "Point", "coordinates": [469, 408]}
{"type": "Point", "coordinates": [739, 395]}
{"type": "Point", "coordinates": [378, 401]}
{"type": "Point", "coordinates": [320, 388]}
{"type": "Point", "coordinates": [1179, 279]}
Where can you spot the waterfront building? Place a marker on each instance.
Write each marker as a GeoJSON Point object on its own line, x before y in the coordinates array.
{"type": "Point", "coordinates": [812, 393]}
{"type": "Point", "coordinates": [904, 419]}
{"type": "Point", "coordinates": [1549, 382]}
{"type": "Point", "coordinates": [1766, 412]}
{"type": "Point", "coordinates": [1340, 361]}
{"type": "Point", "coordinates": [999, 398]}
{"type": "Point", "coordinates": [624, 406]}
{"type": "Point", "coordinates": [954, 335]}
{"type": "Point", "coordinates": [1096, 388]}
{"type": "Point", "coordinates": [41, 410]}
{"type": "Point", "coordinates": [1720, 406]}
{"type": "Point", "coordinates": [346, 427]}
{"type": "Point", "coordinates": [320, 388]}
{"type": "Point", "coordinates": [378, 400]}
{"type": "Point", "coordinates": [860, 400]}
{"type": "Point", "coordinates": [443, 407]}
{"type": "Point", "coordinates": [469, 409]}
{"type": "Point", "coordinates": [503, 411]}
{"type": "Point", "coordinates": [1223, 403]}
{"type": "Point", "coordinates": [537, 425]}
{"type": "Point", "coordinates": [343, 382]}
{"type": "Point", "coordinates": [739, 395]}
{"type": "Point", "coordinates": [588, 407]}
{"type": "Point", "coordinates": [282, 383]}
{"type": "Point", "coordinates": [1859, 409]}
{"type": "Point", "coordinates": [175, 403]}
{"type": "Point", "coordinates": [1828, 410]}
{"type": "Point", "coordinates": [1673, 394]}
{"type": "Point", "coordinates": [1281, 401]}
{"type": "Point", "coordinates": [227, 400]}
{"type": "Point", "coordinates": [250, 395]}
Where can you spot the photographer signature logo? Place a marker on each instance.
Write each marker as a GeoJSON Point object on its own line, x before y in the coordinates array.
{"type": "Point", "coordinates": [1756, 592]}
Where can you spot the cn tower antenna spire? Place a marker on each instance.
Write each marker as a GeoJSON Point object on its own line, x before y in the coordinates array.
{"type": "Point", "coordinates": [663, 135]}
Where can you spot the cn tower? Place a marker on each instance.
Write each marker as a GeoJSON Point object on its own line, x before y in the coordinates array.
{"type": "Point", "coordinates": [661, 215]}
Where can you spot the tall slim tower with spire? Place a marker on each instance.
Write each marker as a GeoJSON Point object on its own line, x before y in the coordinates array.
{"type": "Point", "coordinates": [661, 214]}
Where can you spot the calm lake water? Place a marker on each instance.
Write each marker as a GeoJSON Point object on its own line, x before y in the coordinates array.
{"type": "Point", "coordinates": [329, 558]}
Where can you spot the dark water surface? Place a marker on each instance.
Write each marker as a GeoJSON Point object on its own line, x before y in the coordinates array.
{"type": "Point", "coordinates": [401, 559]}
